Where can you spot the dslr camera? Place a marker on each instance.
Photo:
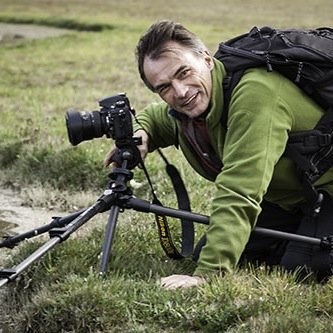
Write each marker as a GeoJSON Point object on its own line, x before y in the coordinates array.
{"type": "Point", "coordinates": [113, 120]}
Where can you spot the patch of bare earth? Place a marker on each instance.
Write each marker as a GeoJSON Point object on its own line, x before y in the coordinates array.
{"type": "Point", "coordinates": [16, 33]}
{"type": "Point", "coordinates": [20, 218]}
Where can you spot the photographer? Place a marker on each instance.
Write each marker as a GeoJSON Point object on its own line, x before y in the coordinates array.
{"type": "Point", "coordinates": [255, 184]}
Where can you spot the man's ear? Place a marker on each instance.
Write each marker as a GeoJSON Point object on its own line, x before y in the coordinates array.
{"type": "Point", "coordinates": [209, 60]}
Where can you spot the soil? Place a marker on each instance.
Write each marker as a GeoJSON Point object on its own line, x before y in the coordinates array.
{"type": "Point", "coordinates": [16, 33]}
{"type": "Point", "coordinates": [16, 218]}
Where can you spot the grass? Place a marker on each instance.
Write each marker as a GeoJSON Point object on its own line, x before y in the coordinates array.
{"type": "Point", "coordinates": [65, 291]}
{"type": "Point", "coordinates": [40, 80]}
{"type": "Point", "coordinates": [125, 302]}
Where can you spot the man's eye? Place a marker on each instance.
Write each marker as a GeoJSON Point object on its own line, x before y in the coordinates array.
{"type": "Point", "coordinates": [184, 72]}
{"type": "Point", "coordinates": [162, 89]}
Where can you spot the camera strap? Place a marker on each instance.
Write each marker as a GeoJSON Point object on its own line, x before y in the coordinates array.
{"type": "Point", "coordinates": [187, 227]}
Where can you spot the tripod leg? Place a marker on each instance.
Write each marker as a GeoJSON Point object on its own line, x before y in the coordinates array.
{"type": "Point", "coordinates": [109, 234]}
{"type": "Point", "coordinates": [11, 242]}
{"type": "Point", "coordinates": [15, 271]}
{"type": "Point", "coordinates": [58, 235]}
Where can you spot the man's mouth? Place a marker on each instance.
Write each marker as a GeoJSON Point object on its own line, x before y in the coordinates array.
{"type": "Point", "coordinates": [190, 101]}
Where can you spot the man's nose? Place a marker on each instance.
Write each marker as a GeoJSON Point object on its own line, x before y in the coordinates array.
{"type": "Point", "coordinates": [180, 88]}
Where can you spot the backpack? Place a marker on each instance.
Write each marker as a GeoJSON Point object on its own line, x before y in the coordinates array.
{"type": "Point", "coordinates": [306, 58]}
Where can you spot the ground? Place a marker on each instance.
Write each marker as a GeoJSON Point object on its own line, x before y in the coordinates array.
{"type": "Point", "coordinates": [15, 33]}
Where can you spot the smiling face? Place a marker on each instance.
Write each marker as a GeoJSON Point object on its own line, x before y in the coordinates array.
{"type": "Point", "coordinates": [182, 78]}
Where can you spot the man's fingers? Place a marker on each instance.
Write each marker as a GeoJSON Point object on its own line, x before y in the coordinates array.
{"type": "Point", "coordinates": [143, 148]}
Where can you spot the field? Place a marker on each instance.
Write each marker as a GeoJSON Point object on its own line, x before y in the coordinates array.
{"type": "Point", "coordinates": [40, 79]}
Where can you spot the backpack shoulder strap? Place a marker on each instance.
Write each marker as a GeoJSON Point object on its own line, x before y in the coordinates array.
{"type": "Point", "coordinates": [236, 60]}
{"type": "Point", "coordinates": [229, 83]}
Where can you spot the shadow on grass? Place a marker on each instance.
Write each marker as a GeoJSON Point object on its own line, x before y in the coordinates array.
{"type": "Point", "coordinates": [58, 22]}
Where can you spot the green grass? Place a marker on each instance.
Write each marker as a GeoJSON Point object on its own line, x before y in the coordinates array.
{"type": "Point", "coordinates": [65, 291]}
{"type": "Point", "coordinates": [40, 80]}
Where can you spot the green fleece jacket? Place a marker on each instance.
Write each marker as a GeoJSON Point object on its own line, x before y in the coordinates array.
{"type": "Point", "coordinates": [264, 108]}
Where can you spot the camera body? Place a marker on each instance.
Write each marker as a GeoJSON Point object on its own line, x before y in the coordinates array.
{"type": "Point", "coordinates": [113, 120]}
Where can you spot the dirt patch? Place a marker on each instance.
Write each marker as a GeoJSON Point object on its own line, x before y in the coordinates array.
{"type": "Point", "coordinates": [16, 33]}
{"type": "Point", "coordinates": [16, 218]}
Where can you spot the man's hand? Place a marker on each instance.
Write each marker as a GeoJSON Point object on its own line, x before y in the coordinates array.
{"type": "Point", "coordinates": [143, 148]}
{"type": "Point", "coordinates": [181, 281]}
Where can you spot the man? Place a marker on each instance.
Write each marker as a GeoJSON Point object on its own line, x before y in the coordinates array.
{"type": "Point", "coordinates": [255, 184]}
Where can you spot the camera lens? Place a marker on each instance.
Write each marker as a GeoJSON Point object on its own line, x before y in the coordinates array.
{"type": "Point", "coordinates": [83, 126]}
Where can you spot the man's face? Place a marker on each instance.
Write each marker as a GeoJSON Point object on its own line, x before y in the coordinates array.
{"type": "Point", "coordinates": [182, 78]}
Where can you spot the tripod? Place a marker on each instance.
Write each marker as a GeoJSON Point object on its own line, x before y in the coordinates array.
{"type": "Point", "coordinates": [117, 197]}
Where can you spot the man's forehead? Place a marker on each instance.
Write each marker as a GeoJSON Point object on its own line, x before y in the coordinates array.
{"type": "Point", "coordinates": [171, 49]}
{"type": "Point", "coordinates": [173, 46]}
{"type": "Point", "coordinates": [171, 54]}
{"type": "Point", "coordinates": [163, 67]}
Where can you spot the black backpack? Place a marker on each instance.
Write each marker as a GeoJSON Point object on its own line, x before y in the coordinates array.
{"type": "Point", "coordinates": [306, 58]}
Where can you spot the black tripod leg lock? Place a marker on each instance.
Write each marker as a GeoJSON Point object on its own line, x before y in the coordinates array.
{"type": "Point", "coordinates": [58, 232]}
{"type": "Point", "coordinates": [120, 171]}
{"type": "Point", "coordinates": [7, 272]}
{"type": "Point", "coordinates": [8, 243]}
{"type": "Point", "coordinates": [327, 242]}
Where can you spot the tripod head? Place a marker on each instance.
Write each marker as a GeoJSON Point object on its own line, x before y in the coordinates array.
{"type": "Point", "coordinates": [113, 120]}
